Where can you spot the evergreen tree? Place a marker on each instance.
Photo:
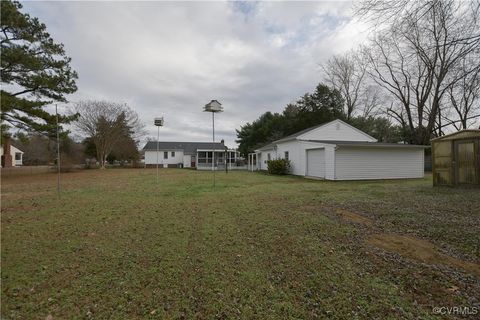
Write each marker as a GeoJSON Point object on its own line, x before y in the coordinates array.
{"type": "Point", "coordinates": [321, 106]}
{"type": "Point", "coordinates": [35, 71]}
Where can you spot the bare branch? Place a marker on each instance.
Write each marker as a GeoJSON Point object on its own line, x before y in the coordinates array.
{"type": "Point", "coordinates": [107, 123]}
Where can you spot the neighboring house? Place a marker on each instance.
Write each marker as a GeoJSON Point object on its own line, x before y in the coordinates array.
{"type": "Point", "coordinates": [188, 154]}
{"type": "Point", "coordinates": [338, 151]}
{"type": "Point", "coordinates": [13, 156]}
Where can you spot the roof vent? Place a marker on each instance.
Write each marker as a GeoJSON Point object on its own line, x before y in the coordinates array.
{"type": "Point", "coordinates": [337, 126]}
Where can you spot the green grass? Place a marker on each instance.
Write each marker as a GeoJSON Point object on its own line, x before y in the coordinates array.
{"type": "Point", "coordinates": [118, 245]}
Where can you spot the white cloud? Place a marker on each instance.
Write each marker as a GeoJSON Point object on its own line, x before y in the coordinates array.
{"type": "Point", "coordinates": [171, 58]}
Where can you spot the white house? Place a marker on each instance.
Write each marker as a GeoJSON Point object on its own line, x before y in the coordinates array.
{"type": "Point", "coordinates": [189, 154]}
{"type": "Point", "coordinates": [338, 151]}
{"type": "Point", "coordinates": [16, 156]}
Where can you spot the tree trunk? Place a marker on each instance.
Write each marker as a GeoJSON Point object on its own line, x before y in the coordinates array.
{"type": "Point", "coordinates": [104, 160]}
{"type": "Point", "coordinates": [101, 158]}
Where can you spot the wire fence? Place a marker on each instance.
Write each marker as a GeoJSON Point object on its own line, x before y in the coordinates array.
{"type": "Point", "coordinates": [27, 170]}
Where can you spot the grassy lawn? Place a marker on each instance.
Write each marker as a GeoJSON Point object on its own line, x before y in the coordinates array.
{"type": "Point", "coordinates": [118, 245]}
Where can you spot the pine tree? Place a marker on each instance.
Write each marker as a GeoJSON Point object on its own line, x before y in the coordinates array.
{"type": "Point", "coordinates": [35, 71]}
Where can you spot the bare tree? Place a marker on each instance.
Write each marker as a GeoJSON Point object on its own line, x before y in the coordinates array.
{"type": "Point", "coordinates": [406, 80]}
{"type": "Point", "coordinates": [346, 73]}
{"type": "Point", "coordinates": [416, 56]}
{"type": "Point", "coordinates": [39, 150]}
{"type": "Point", "coordinates": [106, 123]}
{"type": "Point", "coordinates": [464, 94]}
{"type": "Point", "coordinates": [371, 100]}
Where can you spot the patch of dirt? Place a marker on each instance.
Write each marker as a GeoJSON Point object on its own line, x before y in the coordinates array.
{"type": "Point", "coordinates": [354, 217]}
{"type": "Point", "coordinates": [420, 250]}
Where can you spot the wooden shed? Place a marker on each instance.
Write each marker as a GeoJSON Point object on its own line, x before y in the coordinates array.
{"type": "Point", "coordinates": [456, 159]}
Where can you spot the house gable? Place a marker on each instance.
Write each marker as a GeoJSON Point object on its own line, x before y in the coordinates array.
{"type": "Point", "coordinates": [13, 150]}
{"type": "Point", "coordinates": [336, 130]}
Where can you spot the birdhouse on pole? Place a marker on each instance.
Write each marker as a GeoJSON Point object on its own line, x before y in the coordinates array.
{"type": "Point", "coordinates": [213, 106]}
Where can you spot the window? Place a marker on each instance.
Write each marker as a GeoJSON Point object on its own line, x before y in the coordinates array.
{"type": "Point", "coordinates": [18, 156]}
{"type": "Point", "coordinates": [231, 157]}
{"type": "Point", "coordinates": [204, 157]}
{"type": "Point", "coordinates": [286, 155]}
{"type": "Point", "coordinates": [269, 157]}
{"type": "Point", "coordinates": [173, 153]}
{"type": "Point", "coordinates": [165, 155]}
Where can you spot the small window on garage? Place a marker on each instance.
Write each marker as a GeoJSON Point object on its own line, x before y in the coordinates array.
{"type": "Point", "coordinates": [165, 155]}
{"type": "Point", "coordinates": [18, 156]}
{"type": "Point", "coordinates": [269, 157]}
{"type": "Point", "coordinates": [286, 155]}
{"type": "Point", "coordinates": [173, 153]}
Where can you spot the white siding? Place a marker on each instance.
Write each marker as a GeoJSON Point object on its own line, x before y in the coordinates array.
{"type": "Point", "coordinates": [294, 155]}
{"type": "Point", "coordinates": [316, 163]}
{"type": "Point", "coordinates": [356, 163]}
{"type": "Point", "coordinates": [336, 130]}
{"type": "Point", "coordinates": [151, 157]}
{"type": "Point", "coordinates": [330, 163]}
{"type": "Point", "coordinates": [297, 151]}
{"type": "Point", "coordinates": [187, 161]}
{"type": "Point", "coordinates": [262, 159]}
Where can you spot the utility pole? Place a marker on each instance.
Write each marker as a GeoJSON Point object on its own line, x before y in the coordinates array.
{"type": "Point", "coordinates": [58, 153]}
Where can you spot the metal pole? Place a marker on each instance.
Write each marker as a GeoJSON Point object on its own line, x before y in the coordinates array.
{"type": "Point", "coordinates": [158, 138]}
{"type": "Point", "coordinates": [58, 153]}
{"type": "Point", "coordinates": [213, 153]}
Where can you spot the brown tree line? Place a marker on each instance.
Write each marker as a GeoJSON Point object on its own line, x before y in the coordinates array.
{"type": "Point", "coordinates": [421, 66]}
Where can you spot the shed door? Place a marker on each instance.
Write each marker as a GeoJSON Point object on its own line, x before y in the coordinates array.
{"type": "Point", "coordinates": [316, 163]}
{"type": "Point", "coordinates": [466, 172]}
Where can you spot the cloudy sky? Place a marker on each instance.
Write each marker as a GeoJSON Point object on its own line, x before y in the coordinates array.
{"type": "Point", "coordinates": [171, 58]}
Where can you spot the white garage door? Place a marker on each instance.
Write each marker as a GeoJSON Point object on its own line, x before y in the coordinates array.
{"type": "Point", "coordinates": [316, 163]}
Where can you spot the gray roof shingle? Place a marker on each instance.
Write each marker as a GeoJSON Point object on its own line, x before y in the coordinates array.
{"type": "Point", "coordinates": [187, 147]}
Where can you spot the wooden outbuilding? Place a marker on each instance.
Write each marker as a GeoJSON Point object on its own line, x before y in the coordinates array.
{"type": "Point", "coordinates": [456, 159]}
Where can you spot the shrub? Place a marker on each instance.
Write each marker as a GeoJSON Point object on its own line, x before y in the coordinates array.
{"type": "Point", "coordinates": [278, 166]}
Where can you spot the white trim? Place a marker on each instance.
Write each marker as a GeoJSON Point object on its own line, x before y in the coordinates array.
{"type": "Point", "coordinates": [210, 150]}
{"type": "Point", "coordinates": [299, 137]}
{"type": "Point", "coordinates": [316, 145]}
{"type": "Point", "coordinates": [337, 121]}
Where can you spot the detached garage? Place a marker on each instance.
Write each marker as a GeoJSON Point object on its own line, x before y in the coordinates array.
{"type": "Point", "coordinates": [338, 151]}
{"type": "Point", "coordinates": [361, 161]}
